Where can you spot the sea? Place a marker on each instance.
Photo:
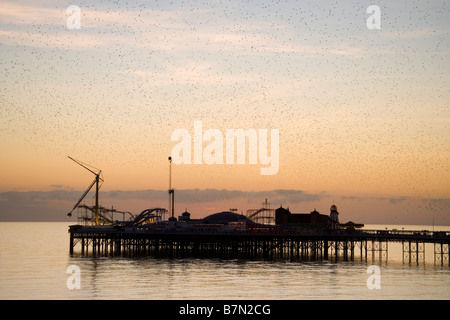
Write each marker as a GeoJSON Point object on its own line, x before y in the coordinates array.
{"type": "Point", "coordinates": [35, 264]}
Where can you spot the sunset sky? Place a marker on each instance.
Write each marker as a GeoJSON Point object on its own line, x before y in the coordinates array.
{"type": "Point", "coordinates": [363, 115]}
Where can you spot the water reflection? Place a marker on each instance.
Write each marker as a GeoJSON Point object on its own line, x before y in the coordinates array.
{"type": "Point", "coordinates": [34, 267]}
{"type": "Point", "coordinates": [151, 278]}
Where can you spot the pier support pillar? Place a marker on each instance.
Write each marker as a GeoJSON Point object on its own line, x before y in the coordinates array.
{"type": "Point", "coordinates": [71, 243]}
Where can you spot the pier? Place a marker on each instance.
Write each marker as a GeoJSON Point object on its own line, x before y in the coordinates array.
{"type": "Point", "coordinates": [264, 233]}
{"type": "Point", "coordinates": [257, 243]}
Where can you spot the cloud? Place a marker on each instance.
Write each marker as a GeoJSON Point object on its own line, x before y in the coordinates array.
{"type": "Point", "coordinates": [53, 39]}
{"type": "Point", "coordinates": [53, 205]}
{"type": "Point", "coordinates": [212, 195]}
{"type": "Point", "coordinates": [169, 31]}
{"type": "Point", "coordinates": [191, 73]}
{"type": "Point", "coordinates": [187, 195]}
{"type": "Point", "coordinates": [414, 33]}
{"type": "Point", "coordinates": [13, 13]}
{"type": "Point", "coordinates": [396, 200]}
{"type": "Point", "coordinates": [37, 196]}
{"type": "Point", "coordinates": [391, 200]}
{"type": "Point", "coordinates": [60, 186]}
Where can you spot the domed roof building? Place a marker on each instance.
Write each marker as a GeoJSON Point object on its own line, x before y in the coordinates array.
{"type": "Point", "coordinates": [225, 217]}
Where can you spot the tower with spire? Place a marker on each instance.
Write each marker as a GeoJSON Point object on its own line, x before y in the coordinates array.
{"type": "Point", "coordinates": [334, 217]}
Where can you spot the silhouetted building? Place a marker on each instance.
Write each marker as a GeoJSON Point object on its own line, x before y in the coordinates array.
{"type": "Point", "coordinates": [313, 220]}
{"type": "Point", "coordinates": [226, 217]}
{"type": "Point", "coordinates": [185, 216]}
{"type": "Point", "coordinates": [350, 226]}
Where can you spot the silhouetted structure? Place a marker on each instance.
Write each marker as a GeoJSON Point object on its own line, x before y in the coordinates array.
{"type": "Point", "coordinates": [334, 217]}
{"type": "Point", "coordinates": [225, 218]}
{"type": "Point", "coordinates": [263, 215]}
{"type": "Point", "coordinates": [254, 242]}
{"type": "Point", "coordinates": [228, 234]}
{"type": "Point", "coordinates": [313, 221]}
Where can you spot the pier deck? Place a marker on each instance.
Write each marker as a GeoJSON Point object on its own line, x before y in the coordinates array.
{"type": "Point", "coordinates": [258, 244]}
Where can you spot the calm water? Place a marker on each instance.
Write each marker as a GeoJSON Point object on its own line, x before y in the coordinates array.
{"type": "Point", "coordinates": [34, 258]}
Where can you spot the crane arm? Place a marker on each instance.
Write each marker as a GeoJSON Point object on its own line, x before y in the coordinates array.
{"type": "Point", "coordinates": [82, 197]}
{"type": "Point", "coordinates": [84, 165]}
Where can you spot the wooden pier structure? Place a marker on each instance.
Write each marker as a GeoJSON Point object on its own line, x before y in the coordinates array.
{"type": "Point", "coordinates": [256, 244]}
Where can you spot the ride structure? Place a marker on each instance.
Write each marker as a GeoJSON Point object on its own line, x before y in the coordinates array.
{"type": "Point", "coordinates": [95, 182]}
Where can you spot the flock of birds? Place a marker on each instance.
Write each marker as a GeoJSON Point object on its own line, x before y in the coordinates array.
{"type": "Point", "coordinates": [115, 89]}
